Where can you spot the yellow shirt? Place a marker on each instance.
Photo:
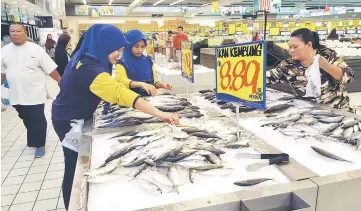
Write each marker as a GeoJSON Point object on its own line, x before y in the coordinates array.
{"type": "Point", "coordinates": [122, 77]}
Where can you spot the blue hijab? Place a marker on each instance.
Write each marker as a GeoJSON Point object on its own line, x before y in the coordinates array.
{"type": "Point", "coordinates": [100, 41]}
{"type": "Point", "coordinates": [138, 68]}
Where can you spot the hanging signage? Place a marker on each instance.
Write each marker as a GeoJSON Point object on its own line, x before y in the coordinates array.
{"type": "Point", "coordinates": [340, 32]}
{"type": "Point", "coordinates": [107, 10]}
{"type": "Point", "coordinates": [150, 48]}
{"type": "Point", "coordinates": [81, 10]}
{"type": "Point", "coordinates": [285, 32]}
{"type": "Point", "coordinates": [274, 31]}
{"type": "Point", "coordinates": [321, 32]}
{"type": "Point", "coordinates": [241, 73]}
{"type": "Point", "coordinates": [279, 24]}
{"type": "Point", "coordinates": [215, 8]}
{"type": "Point", "coordinates": [351, 31]}
{"type": "Point", "coordinates": [187, 65]}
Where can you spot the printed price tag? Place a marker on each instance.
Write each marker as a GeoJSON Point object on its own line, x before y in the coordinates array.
{"type": "Point", "coordinates": [241, 73]}
{"type": "Point", "coordinates": [187, 65]}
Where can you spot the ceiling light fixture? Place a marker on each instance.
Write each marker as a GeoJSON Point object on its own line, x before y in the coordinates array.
{"type": "Point", "coordinates": [179, 1]}
{"type": "Point", "coordinates": [110, 2]}
{"type": "Point", "coordinates": [158, 2]}
{"type": "Point", "coordinates": [84, 2]}
{"type": "Point", "coordinates": [205, 4]}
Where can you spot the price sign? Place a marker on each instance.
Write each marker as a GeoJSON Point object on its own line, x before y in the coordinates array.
{"type": "Point", "coordinates": [322, 32]}
{"type": "Point", "coordinates": [150, 48]}
{"type": "Point", "coordinates": [187, 65]}
{"type": "Point", "coordinates": [241, 73]}
{"type": "Point", "coordinates": [351, 31]}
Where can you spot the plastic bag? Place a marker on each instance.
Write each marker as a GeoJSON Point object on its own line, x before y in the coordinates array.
{"type": "Point", "coordinates": [73, 137]}
{"type": "Point", "coordinates": [313, 87]}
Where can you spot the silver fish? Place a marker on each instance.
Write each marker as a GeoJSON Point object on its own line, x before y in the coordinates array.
{"type": "Point", "coordinates": [206, 166]}
{"type": "Point", "coordinates": [217, 172]}
{"type": "Point", "coordinates": [347, 132]}
{"type": "Point", "coordinates": [104, 178]}
{"type": "Point", "coordinates": [147, 133]}
{"type": "Point", "coordinates": [191, 174]}
{"type": "Point", "coordinates": [237, 145]}
{"type": "Point", "coordinates": [332, 119]}
{"type": "Point", "coordinates": [149, 186]}
{"type": "Point", "coordinates": [356, 128]}
{"type": "Point", "coordinates": [349, 124]}
{"type": "Point", "coordinates": [173, 175]}
{"type": "Point", "coordinates": [331, 127]}
{"type": "Point", "coordinates": [320, 112]}
{"type": "Point", "coordinates": [161, 178]}
{"type": "Point", "coordinates": [214, 159]}
{"type": "Point", "coordinates": [327, 154]}
{"type": "Point", "coordinates": [251, 182]}
{"type": "Point", "coordinates": [109, 167]}
{"type": "Point", "coordinates": [337, 132]}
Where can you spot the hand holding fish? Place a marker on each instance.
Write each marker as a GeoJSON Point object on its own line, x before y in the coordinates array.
{"type": "Point", "coordinates": [150, 89]}
{"type": "Point", "coordinates": [165, 86]}
{"type": "Point", "coordinates": [170, 118]}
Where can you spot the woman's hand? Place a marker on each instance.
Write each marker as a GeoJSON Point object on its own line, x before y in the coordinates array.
{"type": "Point", "coordinates": [166, 86]}
{"type": "Point", "coordinates": [150, 89]}
{"type": "Point", "coordinates": [170, 118]}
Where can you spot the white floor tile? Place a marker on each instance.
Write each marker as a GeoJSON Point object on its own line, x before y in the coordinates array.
{"type": "Point", "coordinates": [25, 197]}
{"type": "Point", "coordinates": [27, 187]}
{"type": "Point", "coordinates": [38, 169]}
{"type": "Point", "coordinates": [18, 172]}
{"type": "Point", "coordinates": [22, 207]}
{"type": "Point", "coordinates": [14, 153]}
{"type": "Point", "coordinates": [48, 204]}
{"type": "Point", "coordinates": [5, 173]}
{"type": "Point", "coordinates": [56, 167]}
{"type": "Point", "coordinates": [5, 208]}
{"type": "Point", "coordinates": [14, 180]}
{"type": "Point", "coordinates": [23, 164]}
{"type": "Point", "coordinates": [26, 158]}
{"type": "Point", "coordinates": [7, 200]}
{"type": "Point", "coordinates": [49, 193]}
{"type": "Point", "coordinates": [17, 147]}
{"type": "Point", "coordinates": [60, 203]}
{"type": "Point", "coordinates": [10, 189]}
{"type": "Point", "coordinates": [56, 160]}
{"type": "Point", "coordinates": [34, 177]}
{"type": "Point", "coordinates": [53, 183]}
{"type": "Point", "coordinates": [7, 166]}
{"type": "Point", "coordinates": [41, 162]}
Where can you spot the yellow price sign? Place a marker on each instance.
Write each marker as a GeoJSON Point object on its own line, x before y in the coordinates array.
{"type": "Point", "coordinates": [292, 24]}
{"type": "Point", "coordinates": [231, 28]}
{"type": "Point", "coordinates": [150, 48]}
{"type": "Point", "coordinates": [241, 73]}
{"type": "Point", "coordinates": [187, 65]}
{"type": "Point", "coordinates": [279, 24]}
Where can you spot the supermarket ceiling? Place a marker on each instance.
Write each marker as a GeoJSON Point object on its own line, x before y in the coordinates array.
{"type": "Point", "coordinates": [246, 3]}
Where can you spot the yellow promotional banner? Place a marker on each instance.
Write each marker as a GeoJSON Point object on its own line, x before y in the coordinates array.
{"type": "Point", "coordinates": [187, 65]}
{"type": "Point", "coordinates": [346, 23]}
{"type": "Point", "coordinates": [274, 31]}
{"type": "Point", "coordinates": [215, 7]}
{"type": "Point", "coordinates": [292, 24]}
{"type": "Point", "coordinates": [150, 48]}
{"type": "Point", "coordinates": [335, 24]}
{"type": "Point", "coordinates": [269, 25]}
{"type": "Point", "coordinates": [355, 22]}
{"type": "Point", "coordinates": [279, 24]}
{"type": "Point", "coordinates": [241, 73]}
{"type": "Point", "coordinates": [239, 27]}
{"type": "Point", "coordinates": [232, 28]}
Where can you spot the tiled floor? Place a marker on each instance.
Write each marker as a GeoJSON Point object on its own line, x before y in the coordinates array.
{"type": "Point", "coordinates": [29, 184]}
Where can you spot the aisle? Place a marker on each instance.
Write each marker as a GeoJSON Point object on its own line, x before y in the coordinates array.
{"type": "Point", "coordinates": [29, 184]}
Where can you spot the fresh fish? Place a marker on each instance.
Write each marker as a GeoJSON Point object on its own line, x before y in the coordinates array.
{"type": "Point", "coordinates": [293, 118]}
{"type": "Point", "coordinates": [214, 159]}
{"type": "Point", "coordinates": [327, 154]}
{"type": "Point", "coordinates": [356, 128]}
{"type": "Point", "coordinates": [121, 152]}
{"type": "Point", "coordinates": [149, 186]}
{"type": "Point", "coordinates": [173, 175]}
{"type": "Point", "coordinates": [243, 109]}
{"type": "Point", "coordinates": [337, 119]}
{"type": "Point", "coordinates": [217, 172]}
{"type": "Point", "coordinates": [277, 108]}
{"type": "Point", "coordinates": [161, 178]}
{"type": "Point", "coordinates": [179, 135]}
{"type": "Point", "coordinates": [140, 170]}
{"type": "Point", "coordinates": [159, 164]}
{"type": "Point", "coordinates": [237, 145]}
{"type": "Point", "coordinates": [164, 155]}
{"type": "Point", "coordinates": [321, 112]}
{"type": "Point", "coordinates": [356, 136]}
{"type": "Point", "coordinates": [174, 108]}
{"type": "Point", "coordinates": [347, 132]}
{"type": "Point", "coordinates": [191, 174]}
{"type": "Point", "coordinates": [227, 105]}
{"type": "Point", "coordinates": [337, 132]}
{"type": "Point", "coordinates": [330, 128]}
{"type": "Point", "coordinates": [109, 167]}
{"type": "Point", "coordinates": [205, 91]}
{"type": "Point", "coordinates": [206, 166]}
{"type": "Point", "coordinates": [220, 102]}
{"type": "Point", "coordinates": [136, 163]}
{"type": "Point", "coordinates": [125, 133]}
{"type": "Point", "coordinates": [287, 98]}
{"type": "Point", "coordinates": [204, 135]}
{"type": "Point", "coordinates": [147, 133]}
{"type": "Point", "coordinates": [192, 130]}
{"type": "Point", "coordinates": [191, 115]}
{"type": "Point", "coordinates": [103, 178]}
{"type": "Point", "coordinates": [349, 124]}
{"type": "Point", "coordinates": [178, 157]}
{"type": "Point", "coordinates": [251, 182]}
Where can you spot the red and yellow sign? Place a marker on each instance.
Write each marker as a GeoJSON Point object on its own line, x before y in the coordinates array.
{"type": "Point", "coordinates": [187, 65]}
{"type": "Point", "coordinates": [241, 73]}
{"type": "Point", "coordinates": [150, 48]}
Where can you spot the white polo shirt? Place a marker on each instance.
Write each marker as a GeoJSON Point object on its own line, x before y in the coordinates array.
{"type": "Point", "coordinates": [26, 68]}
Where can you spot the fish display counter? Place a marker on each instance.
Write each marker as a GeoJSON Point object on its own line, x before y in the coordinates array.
{"type": "Point", "coordinates": [171, 73]}
{"type": "Point", "coordinates": [131, 161]}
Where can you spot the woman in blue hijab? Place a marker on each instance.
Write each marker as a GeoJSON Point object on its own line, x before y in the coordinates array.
{"type": "Point", "coordinates": [135, 70]}
{"type": "Point", "coordinates": [85, 82]}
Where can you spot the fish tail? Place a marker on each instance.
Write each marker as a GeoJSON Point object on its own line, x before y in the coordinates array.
{"type": "Point", "coordinates": [175, 189]}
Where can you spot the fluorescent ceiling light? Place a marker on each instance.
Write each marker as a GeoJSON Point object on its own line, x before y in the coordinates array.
{"type": "Point", "coordinates": [179, 1]}
{"type": "Point", "coordinates": [158, 2]}
{"type": "Point", "coordinates": [110, 2]}
{"type": "Point", "coordinates": [205, 4]}
{"type": "Point", "coordinates": [23, 6]}
{"type": "Point", "coordinates": [84, 1]}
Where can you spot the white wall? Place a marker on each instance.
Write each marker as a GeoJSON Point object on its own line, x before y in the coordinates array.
{"type": "Point", "coordinates": [73, 22]}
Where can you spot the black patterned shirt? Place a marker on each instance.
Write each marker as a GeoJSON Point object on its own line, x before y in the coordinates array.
{"type": "Point", "coordinates": [332, 91]}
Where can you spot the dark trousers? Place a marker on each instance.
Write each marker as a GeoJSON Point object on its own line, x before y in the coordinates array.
{"type": "Point", "coordinates": [35, 122]}
{"type": "Point", "coordinates": [70, 158]}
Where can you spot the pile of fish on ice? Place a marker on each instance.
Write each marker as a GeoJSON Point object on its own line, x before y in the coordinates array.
{"type": "Point", "coordinates": [165, 151]}
{"type": "Point", "coordinates": [121, 116]}
{"type": "Point", "coordinates": [322, 125]}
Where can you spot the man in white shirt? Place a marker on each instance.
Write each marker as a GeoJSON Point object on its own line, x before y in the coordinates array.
{"type": "Point", "coordinates": [25, 66]}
